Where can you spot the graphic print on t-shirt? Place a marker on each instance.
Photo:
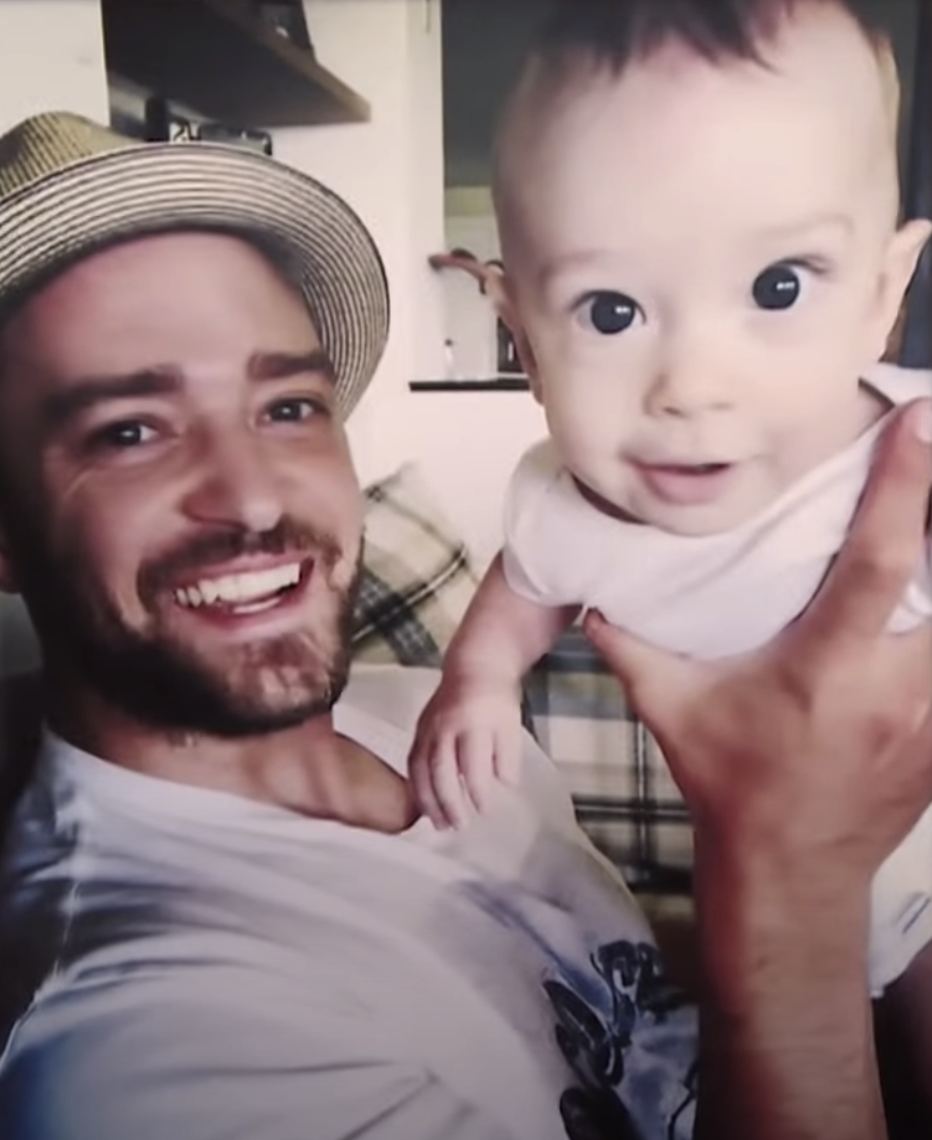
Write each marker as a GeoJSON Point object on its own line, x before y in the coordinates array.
{"type": "Point", "coordinates": [630, 1038]}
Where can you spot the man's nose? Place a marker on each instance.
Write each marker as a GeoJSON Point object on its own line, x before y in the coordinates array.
{"type": "Point", "coordinates": [235, 483]}
{"type": "Point", "coordinates": [689, 380]}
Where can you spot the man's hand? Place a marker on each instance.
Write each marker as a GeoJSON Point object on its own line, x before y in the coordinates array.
{"type": "Point", "coordinates": [803, 765]}
{"type": "Point", "coordinates": [819, 745]}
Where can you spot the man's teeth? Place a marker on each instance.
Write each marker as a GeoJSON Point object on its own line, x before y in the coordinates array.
{"type": "Point", "coordinates": [239, 589]}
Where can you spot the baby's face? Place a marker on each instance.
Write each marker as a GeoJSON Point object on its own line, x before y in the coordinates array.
{"type": "Point", "coordinates": [704, 268]}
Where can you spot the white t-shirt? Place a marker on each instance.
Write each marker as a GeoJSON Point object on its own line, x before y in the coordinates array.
{"type": "Point", "coordinates": [180, 962]}
{"type": "Point", "coordinates": [723, 594]}
{"type": "Point", "coordinates": [707, 596]}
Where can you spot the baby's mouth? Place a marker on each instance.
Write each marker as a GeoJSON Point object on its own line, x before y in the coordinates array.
{"type": "Point", "coordinates": [688, 468]}
{"type": "Point", "coordinates": [686, 484]}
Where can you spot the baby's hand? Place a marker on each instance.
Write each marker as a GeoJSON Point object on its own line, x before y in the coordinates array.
{"type": "Point", "coordinates": [468, 734]}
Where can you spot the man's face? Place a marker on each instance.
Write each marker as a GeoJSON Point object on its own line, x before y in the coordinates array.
{"type": "Point", "coordinates": [182, 514]}
{"type": "Point", "coordinates": [701, 272]}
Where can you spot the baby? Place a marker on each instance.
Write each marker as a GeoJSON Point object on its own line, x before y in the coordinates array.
{"type": "Point", "coordinates": [698, 210]}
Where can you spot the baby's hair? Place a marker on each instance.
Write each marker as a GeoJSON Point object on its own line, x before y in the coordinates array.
{"type": "Point", "coordinates": [592, 36]}
{"type": "Point", "coordinates": [614, 33]}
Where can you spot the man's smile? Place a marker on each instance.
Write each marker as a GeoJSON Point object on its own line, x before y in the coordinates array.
{"type": "Point", "coordinates": [229, 596]}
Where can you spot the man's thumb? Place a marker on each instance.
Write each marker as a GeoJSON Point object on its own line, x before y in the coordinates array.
{"type": "Point", "coordinates": [638, 666]}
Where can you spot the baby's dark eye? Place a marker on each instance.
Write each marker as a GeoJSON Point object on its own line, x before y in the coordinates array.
{"type": "Point", "coordinates": [610, 313]}
{"type": "Point", "coordinates": [778, 287]}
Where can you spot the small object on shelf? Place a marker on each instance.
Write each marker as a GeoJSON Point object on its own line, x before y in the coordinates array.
{"type": "Point", "coordinates": [158, 120]}
{"type": "Point", "coordinates": [286, 17]}
{"type": "Point", "coordinates": [235, 136]}
{"type": "Point", "coordinates": [508, 361]}
{"type": "Point", "coordinates": [162, 125]}
{"type": "Point", "coordinates": [469, 263]}
{"type": "Point", "coordinates": [449, 359]}
{"type": "Point", "coordinates": [502, 357]}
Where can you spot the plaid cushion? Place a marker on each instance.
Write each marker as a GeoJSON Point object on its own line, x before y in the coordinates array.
{"type": "Point", "coordinates": [625, 797]}
{"type": "Point", "coordinates": [417, 579]}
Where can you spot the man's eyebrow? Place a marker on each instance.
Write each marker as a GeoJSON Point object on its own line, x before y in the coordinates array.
{"type": "Point", "coordinates": [66, 404]}
{"type": "Point", "coordinates": [282, 365]}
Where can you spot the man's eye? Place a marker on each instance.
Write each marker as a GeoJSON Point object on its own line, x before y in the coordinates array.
{"type": "Point", "coordinates": [610, 313]}
{"type": "Point", "coordinates": [778, 286]}
{"type": "Point", "coordinates": [293, 410]}
{"type": "Point", "coordinates": [122, 436]}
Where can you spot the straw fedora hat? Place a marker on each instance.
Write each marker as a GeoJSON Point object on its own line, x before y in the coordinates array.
{"type": "Point", "coordinates": [69, 187]}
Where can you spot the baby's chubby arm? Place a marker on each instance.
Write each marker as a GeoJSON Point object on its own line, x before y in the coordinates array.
{"type": "Point", "coordinates": [470, 729]}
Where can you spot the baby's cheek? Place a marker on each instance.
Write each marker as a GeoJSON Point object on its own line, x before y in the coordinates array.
{"type": "Point", "coordinates": [595, 433]}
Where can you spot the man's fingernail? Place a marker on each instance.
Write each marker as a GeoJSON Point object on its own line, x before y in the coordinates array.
{"type": "Point", "coordinates": [922, 421]}
{"type": "Point", "coordinates": [593, 619]}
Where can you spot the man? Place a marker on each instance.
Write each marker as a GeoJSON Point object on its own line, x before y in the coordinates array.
{"type": "Point", "coordinates": [219, 914]}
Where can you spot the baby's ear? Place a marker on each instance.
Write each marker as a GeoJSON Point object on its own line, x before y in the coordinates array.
{"type": "Point", "coordinates": [500, 291]}
{"type": "Point", "coordinates": [899, 265]}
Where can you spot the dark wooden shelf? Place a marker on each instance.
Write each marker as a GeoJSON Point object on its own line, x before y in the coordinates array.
{"type": "Point", "coordinates": [221, 59]}
{"type": "Point", "coordinates": [492, 384]}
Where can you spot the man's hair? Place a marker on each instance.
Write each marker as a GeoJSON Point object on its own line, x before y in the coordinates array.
{"type": "Point", "coordinates": [610, 35]}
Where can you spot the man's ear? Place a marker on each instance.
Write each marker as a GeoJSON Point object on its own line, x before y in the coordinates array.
{"type": "Point", "coordinates": [903, 251]}
{"type": "Point", "coordinates": [500, 291]}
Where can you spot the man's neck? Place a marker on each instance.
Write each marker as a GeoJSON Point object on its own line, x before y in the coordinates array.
{"type": "Point", "coordinates": [309, 769]}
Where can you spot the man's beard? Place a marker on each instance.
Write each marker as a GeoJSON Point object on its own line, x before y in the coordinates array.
{"type": "Point", "coordinates": [247, 690]}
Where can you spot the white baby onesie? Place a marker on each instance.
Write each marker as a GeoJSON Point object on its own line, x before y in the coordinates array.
{"type": "Point", "coordinates": [723, 594]}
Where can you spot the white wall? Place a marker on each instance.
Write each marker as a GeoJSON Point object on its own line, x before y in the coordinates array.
{"type": "Point", "coordinates": [469, 316]}
{"type": "Point", "coordinates": [466, 443]}
{"type": "Point", "coordinates": [51, 59]}
{"type": "Point", "coordinates": [391, 172]}
{"type": "Point", "coordinates": [469, 442]}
